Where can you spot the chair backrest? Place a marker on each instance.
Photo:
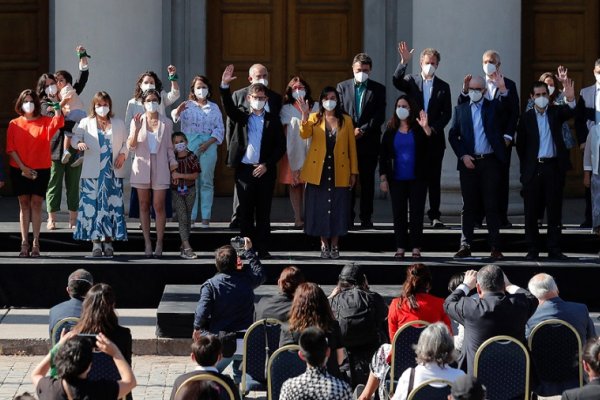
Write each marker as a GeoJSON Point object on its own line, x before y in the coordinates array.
{"type": "Point", "coordinates": [431, 389]}
{"type": "Point", "coordinates": [556, 352]}
{"type": "Point", "coordinates": [260, 342]}
{"type": "Point", "coordinates": [285, 363]}
{"type": "Point", "coordinates": [66, 323]}
{"type": "Point", "coordinates": [403, 352]}
{"type": "Point", "coordinates": [225, 394]}
{"type": "Point", "coordinates": [103, 367]}
{"type": "Point", "coordinates": [502, 366]}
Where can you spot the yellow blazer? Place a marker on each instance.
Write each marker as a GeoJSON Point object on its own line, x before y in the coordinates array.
{"type": "Point", "coordinates": [344, 152]}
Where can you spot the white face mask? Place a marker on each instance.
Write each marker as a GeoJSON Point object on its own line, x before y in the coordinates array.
{"type": "Point", "coordinates": [151, 106]}
{"type": "Point", "coordinates": [201, 93]}
{"type": "Point", "coordinates": [551, 90]}
{"type": "Point", "coordinates": [102, 110]}
{"type": "Point", "coordinates": [329, 105]}
{"type": "Point", "coordinates": [361, 77]}
{"type": "Point", "coordinates": [428, 70]}
{"type": "Point", "coordinates": [257, 104]}
{"type": "Point", "coordinates": [147, 86]}
{"type": "Point", "coordinates": [264, 81]}
{"type": "Point", "coordinates": [541, 102]}
{"type": "Point", "coordinates": [475, 95]}
{"type": "Point", "coordinates": [489, 68]}
{"type": "Point", "coordinates": [179, 147]}
{"type": "Point", "coordinates": [28, 107]}
{"type": "Point", "coordinates": [298, 94]}
{"type": "Point", "coordinates": [597, 78]}
{"type": "Point", "coordinates": [402, 113]}
{"type": "Point", "coordinates": [51, 90]}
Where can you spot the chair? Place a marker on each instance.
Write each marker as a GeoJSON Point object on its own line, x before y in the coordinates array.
{"type": "Point", "coordinates": [403, 352]}
{"type": "Point", "coordinates": [260, 341]}
{"type": "Point", "coordinates": [556, 352]}
{"type": "Point", "coordinates": [283, 364]}
{"type": "Point", "coordinates": [502, 366]}
{"type": "Point", "coordinates": [225, 394]}
{"type": "Point", "coordinates": [65, 323]}
{"type": "Point", "coordinates": [103, 367]}
{"type": "Point", "coordinates": [431, 389]}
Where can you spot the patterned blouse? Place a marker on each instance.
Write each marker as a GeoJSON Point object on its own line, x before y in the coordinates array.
{"type": "Point", "coordinates": [315, 383]}
{"type": "Point", "coordinates": [197, 119]}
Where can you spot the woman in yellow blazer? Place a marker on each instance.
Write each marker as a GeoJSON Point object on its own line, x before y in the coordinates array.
{"type": "Point", "coordinates": [329, 170]}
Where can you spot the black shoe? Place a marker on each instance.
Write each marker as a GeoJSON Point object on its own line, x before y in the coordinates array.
{"type": "Point", "coordinates": [586, 224]}
{"type": "Point", "coordinates": [557, 255]}
{"type": "Point", "coordinates": [367, 224]}
{"type": "Point", "coordinates": [463, 252]}
{"type": "Point", "coordinates": [496, 254]}
{"type": "Point", "coordinates": [235, 224]}
{"type": "Point", "coordinates": [506, 224]}
{"type": "Point", "coordinates": [532, 255]}
{"type": "Point", "coordinates": [264, 255]}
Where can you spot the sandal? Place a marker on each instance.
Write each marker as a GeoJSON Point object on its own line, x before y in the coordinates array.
{"type": "Point", "coordinates": [335, 253]}
{"type": "Point", "coordinates": [51, 225]}
{"type": "Point", "coordinates": [188, 254]}
{"type": "Point", "coordinates": [324, 252]}
{"type": "Point", "coordinates": [416, 253]}
{"type": "Point", "coordinates": [24, 249]}
{"type": "Point", "coordinates": [158, 251]}
{"type": "Point", "coordinates": [399, 253]}
{"type": "Point", "coordinates": [35, 249]}
{"type": "Point", "coordinates": [148, 251]}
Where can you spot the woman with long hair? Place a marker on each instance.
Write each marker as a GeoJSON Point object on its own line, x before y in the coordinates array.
{"type": "Point", "coordinates": [278, 306]}
{"type": "Point", "coordinates": [311, 308]}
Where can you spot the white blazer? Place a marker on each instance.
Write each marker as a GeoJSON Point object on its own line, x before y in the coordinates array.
{"type": "Point", "coordinates": [87, 132]}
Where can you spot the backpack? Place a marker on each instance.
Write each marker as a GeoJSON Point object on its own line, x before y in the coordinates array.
{"type": "Point", "coordinates": [354, 309]}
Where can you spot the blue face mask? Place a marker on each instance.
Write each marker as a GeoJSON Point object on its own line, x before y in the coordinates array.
{"type": "Point", "coordinates": [180, 146]}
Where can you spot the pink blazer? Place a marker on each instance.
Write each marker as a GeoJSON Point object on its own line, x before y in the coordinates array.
{"type": "Point", "coordinates": [165, 156]}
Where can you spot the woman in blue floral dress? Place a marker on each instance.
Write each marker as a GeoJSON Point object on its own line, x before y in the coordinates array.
{"type": "Point", "coordinates": [101, 214]}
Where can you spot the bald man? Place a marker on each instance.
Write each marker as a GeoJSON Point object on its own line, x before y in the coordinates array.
{"type": "Point", "coordinates": [477, 139]}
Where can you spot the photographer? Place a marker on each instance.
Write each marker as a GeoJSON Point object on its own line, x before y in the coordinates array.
{"type": "Point", "coordinates": [226, 305]}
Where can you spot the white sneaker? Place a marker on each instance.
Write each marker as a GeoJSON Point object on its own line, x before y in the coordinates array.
{"type": "Point", "coordinates": [65, 157]}
{"type": "Point", "coordinates": [78, 161]}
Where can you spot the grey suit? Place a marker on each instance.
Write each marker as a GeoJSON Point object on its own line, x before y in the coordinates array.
{"type": "Point", "coordinates": [591, 391]}
{"type": "Point", "coordinates": [576, 314]}
{"type": "Point", "coordinates": [585, 112]}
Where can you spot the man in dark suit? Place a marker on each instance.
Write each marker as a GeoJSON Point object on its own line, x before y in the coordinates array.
{"type": "Point", "coordinates": [78, 284]}
{"type": "Point", "coordinates": [544, 162]}
{"type": "Point", "coordinates": [587, 114]}
{"type": "Point", "coordinates": [257, 73]}
{"type": "Point", "coordinates": [591, 366]}
{"type": "Point", "coordinates": [491, 68]}
{"type": "Point", "coordinates": [476, 138]}
{"type": "Point", "coordinates": [254, 148]}
{"type": "Point", "coordinates": [500, 308]}
{"type": "Point", "coordinates": [432, 95]}
{"type": "Point", "coordinates": [364, 100]}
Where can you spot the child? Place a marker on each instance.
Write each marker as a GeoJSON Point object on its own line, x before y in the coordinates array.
{"type": "Point", "coordinates": [184, 192]}
{"type": "Point", "coordinates": [73, 109]}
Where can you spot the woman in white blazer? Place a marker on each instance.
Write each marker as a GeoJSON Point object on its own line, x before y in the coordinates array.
{"type": "Point", "coordinates": [591, 173]}
{"type": "Point", "coordinates": [101, 214]}
{"type": "Point", "coordinates": [153, 162]}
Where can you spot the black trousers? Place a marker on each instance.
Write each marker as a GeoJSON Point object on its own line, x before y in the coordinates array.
{"type": "Point", "coordinates": [433, 183]}
{"type": "Point", "coordinates": [545, 189]}
{"type": "Point", "coordinates": [255, 196]}
{"type": "Point", "coordinates": [481, 185]}
{"type": "Point", "coordinates": [504, 188]}
{"type": "Point", "coordinates": [588, 205]}
{"type": "Point", "coordinates": [408, 195]}
{"type": "Point", "coordinates": [366, 175]}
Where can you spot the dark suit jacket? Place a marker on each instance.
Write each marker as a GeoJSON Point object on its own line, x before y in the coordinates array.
{"type": "Point", "coordinates": [576, 314]}
{"type": "Point", "coordinates": [387, 153]}
{"type": "Point", "coordinates": [272, 145]}
{"type": "Point", "coordinates": [591, 391]}
{"type": "Point", "coordinates": [371, 117]}
{"type": "Point", "coordinates": [69, 308]}
{"type": "Point", "coordinates": [182, 378]}
{"type": "Point", "coordinates": [585, 111]}
{"type": "Point", "coordinates": [494, 314]}
{"type": "Point", "coordinates": [528, 139]}
{"type": "Point", "coordinates": [462, 136]}
{"type": "Point", "coordinates": [239, 99]}
{"type": "Point", "coordinates": [439, 110]}
{"type": "Point", "coordinates": [277, 306]}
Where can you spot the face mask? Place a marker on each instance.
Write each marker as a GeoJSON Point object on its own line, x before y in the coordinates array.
{"type": "Point", "coordinates": [361, 77]}
{"type": "Point", "coordinates": [475, 95]}
{"type": "Point", "coordinates": [151, 106]}
{"type": "Point", "coordinates": [263, 81]}
{"type": "Point", "coordinates": [298, 94]}
{"type": "Point", "coordinates": [179, 147]}
{"type": "Point", "coordinates": [102, 110]}
{"type": "Point", "coordinates": [329, 105]}
{"type": "Point", "coordinates": [257, 104]}
{"type": "Point", "coordinates": [51, 90]}
{"type": "Point", "coordinates": [28, 107]}
{"type": "Point", "coordinates": [489, 68]}
{"type": "Point", "coordinates": [597, 78]}
{"type": "Point", "coordinates": [551, 90]}
{"type": "Point", "coordinates": [541, 102]}
{"type": "Point", "coordinates": [201, 93]}
{"type": "Point", "coordinates": [428, 70]}
{"type": "Point", "coordinates": [147, 86]}
{"type": "Point", "coordinates": [402, 112]}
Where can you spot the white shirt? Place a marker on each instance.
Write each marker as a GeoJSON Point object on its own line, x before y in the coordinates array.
{"type": "Point", "coordinates": [152, 141]}
{"type": "Point", "coordinates": [597, 100]}
{"type": "Point", "coordinates": [423, 373]}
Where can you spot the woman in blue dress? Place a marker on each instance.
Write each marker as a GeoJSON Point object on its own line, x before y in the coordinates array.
{"type": "Point", "coordinates": [101, 214]}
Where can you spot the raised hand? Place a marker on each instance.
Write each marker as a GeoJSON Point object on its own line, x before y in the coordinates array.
{"type": "Point", "coordinates": [405, 54]}
{"type": "Point", "coordinates": [171, 70]}
{"type": "Point", "coordinates": [422, 119]}
{"type": "Point", "coordinates": [181, 108]}
{"type": "Point", "coordinates": [228, 75]}
{"type": "Point", "coordinates": [466, 82]}
{"type": "Point", "coordinates": [562, 74]}
{"type": "Point", "coordinates": [499, 81]}
{"type": "Point", "coordinates": [569, 89]}
{"type": "Point", "coordinates": [137, 118]}
{"type": "Point", "coordinates": [302, 105]}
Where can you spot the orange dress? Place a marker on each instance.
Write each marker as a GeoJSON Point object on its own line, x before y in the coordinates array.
{"type": "Point", "coordinates": [31, 140]}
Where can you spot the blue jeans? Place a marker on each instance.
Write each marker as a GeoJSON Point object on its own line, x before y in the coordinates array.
{"type": "Point", "coordinates": [251, 384]}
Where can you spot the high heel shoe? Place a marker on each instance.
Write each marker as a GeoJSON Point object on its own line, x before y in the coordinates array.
{"type": "Point", "coordinates": [24, 249]}
{"type": "Point", "coordinates": [35, 249]}
{"type": "Point", "coordinates": [148, 251]}
{"type": "Point", "coordinates": [158, 251]}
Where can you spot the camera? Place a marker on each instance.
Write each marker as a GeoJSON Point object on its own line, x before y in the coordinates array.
{"type": "Point", "coordinates": [238, 243]}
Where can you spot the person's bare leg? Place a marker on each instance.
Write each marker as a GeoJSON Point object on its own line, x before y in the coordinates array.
{"type": "Point", "coordinates": [370, 387]}
{"type": "Point", "coordinates": [24, 216]}
{"type": "Point", "coordinates": [36, 223]}
{"type": "Point", "coordinates": [158, 202]}
{"type": "Point", "coordinates": [144, 200]}
{"type": "Point", "coordinates": [51, 225]}
{"type": "Point", "coordinates": [72, 219]}
{"type": "Point", "coordinates": [296, 194]}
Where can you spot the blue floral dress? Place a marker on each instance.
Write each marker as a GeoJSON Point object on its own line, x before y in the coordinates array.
{"type": "Point", "coordinates": [101, 211]}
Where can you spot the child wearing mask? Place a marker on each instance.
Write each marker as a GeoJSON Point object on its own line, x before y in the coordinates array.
{"type": "Point", "coordinates": [72, 108]}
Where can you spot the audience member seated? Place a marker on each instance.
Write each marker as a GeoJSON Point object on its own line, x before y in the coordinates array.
{"type": "Point", "coordinates": [361, 314]}
{"type": "Point", "coordinates": [206, 352]}
{"type": "Point", "coordinates": [457, 328]}
{"type": "Point", "coordinates": [467, 387]}
{"type": "Point", "coordinates": [435, 351]}
{"type": "Point", "coordinates": [591, 366]}
{"type": "Point", "coordinates": [24, 396]}
{"type": "Point", "coordinates": [551, 306]}
{"type": "Point", "coordinates": [73, 362]}
{"type": "Point", "coordinates": [199, 390]}
{"type": "Point", "coordinates": [500, 308]}
{"type": "Point", "coordinates": [78, 284]}
{"type": "Point", "coordinates": [311, 308]}
{"type": "Point", "coordinates": [278, 306]}
{"type": "Point", "coordinates": [316, 382]}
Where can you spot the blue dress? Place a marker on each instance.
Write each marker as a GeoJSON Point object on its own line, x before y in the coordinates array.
{"type": "Point", "coordinates": [101, 211]}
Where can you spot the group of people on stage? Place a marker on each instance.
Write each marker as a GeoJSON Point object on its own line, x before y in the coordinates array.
{"type": "Point", "coordinates": [325, 147]}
